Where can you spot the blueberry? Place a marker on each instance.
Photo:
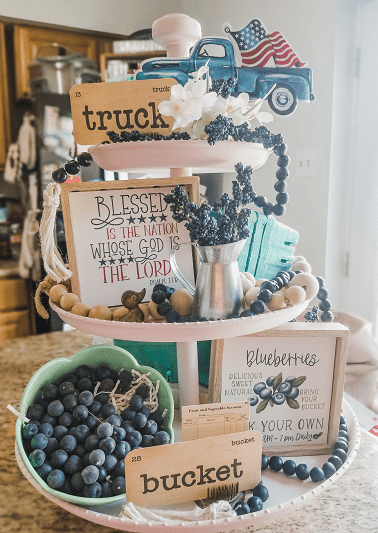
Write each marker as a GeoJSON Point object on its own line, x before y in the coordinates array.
{"type": "Point", "coordinates": [242, 508]}
{"type": "Point", "coordinates": [73, 465]}
{"type": "Point", "coordinates": [172, 316]}
{"type": "Point", "coordinates": [114, 420]}
{"type": "Point", "coordinates": [85, 459]}
{"type": "Point", "coordinates": [55, 479]}
{"type": "Point", "coordinates": [128, 414]}
{"type": "Point", "coordinates": [35, 412]}
{"type": "Point", "coordinates": [69, 402]}
{"type": "Point", "coordinates": [29, 430]}
{"type": "Point", "coordinates": [328, 469]}
{"type": "Point", "coordinates": [105, 430]}
{"type": "Point", "coordinates": [302, 472]}
{"type": "Point", "coordinates": [107, 410]}
{"type": "Point", "coordinates": [140, 421]}
{"type": "Point", "coordinates": [44, 470]}
{"type": "Point", "coordinates": [80, 413]}
{"type": "Point", "coordinates": [144, 391]}
{"type": "Point", "coordinates": [84, 384]}
{"type": "Point", "coordinates": [259, 387]}
{"type": "Point", "coordinates": [157, 416]}
{"type": "Point", "coordinates": [264, 462]}
{"type": "Point", "coordinates": [136, 402]}
{"type": "Point", "coordinates": [52, 446]}
{"type": "Point", "coordinates": [85, 398]}
{"type": "Point", "coordinates": [162, 437]}
{"type": "Point", "coordinates": [284, 387]}
{"type": "Point", "coordinates": [95, 407]}
{"type": "Point", "coordinates": [119, 434]}
{"type": "Point", "coordinates": [66, 419]}
{"type": "Point", "coordinates": [46, 429]}
{"type": "Point", "coordinates": [107, 445]}
{"type": "Point", "coordinates": [293, 393]}
{"type": "Point", "coordinates": [133, 437]}
{"type": "Point", "coordinates": [102, 473]}
{"type": "Point", "coordinates": [159, 287]}
{"type": "Point", "coordinates": [262, 492]}
{"type": "Point", "coordinates": [270, 380]}
{"type": "Point", "coordinates": [37, 458]}
{"type": "Point", "coordinates": [53, 420]}
{"type": "Point", "coordinates": [255, 504]}
{"type": "Point", "coordinates": [266, 393]}
{"type": "Point", "coordinates": [110, 462]}
{"type": "Point", "coordinates": [77, 481]}
{"type": "Point", "coordinates": [91, 422]}
{"type": "Point", "coordinates": [58, 458]}
{"type": "Point", "coordinates": [119, 469]}
{"type": "Point", "coordinates": [94, 490]}
{"type": "Point", "coordinates": [39, 442]}
{"type": "Point", "coordinates": [147, 441]}
{"type": "Point", "coordinates": [119, 485]}
{"type": "Point", "coordinates": [91, 443]}
{"type": "Point", "coordinates": [289, 467]}
{"type": "Point", "coordinates": [66, 388]}
{"type": "Point", "coordinates": [107, 385]}
{"type": "Point", "coordinates": [122, 449]}
{"type": "Point", "coordinates": [278, 398]}
{"type": "Point", "coordinates": [82, 433]}
{"type": "Point", "coordinates": [97, 457]}
{"type": "Point", "coordinates": [158, 297]}
{"type": "Point", "coordinates": [68, 443]}
{"type": "Point", "coordinates": [90, 474]}
{"type": "Point", "coordinates": [275, 463]}
{"type": "Point", "coordinates": [50, 392]}
{"type": "Point", "coordinates": [55, 408]}
{"type": "Point", "coordinates": [253, 400]}
{"type": "Point", "coordinates": [106, 489]}
{"type": "Point", "coordinates": [336, 461]}
{"type": "Point", "coordinates": [317, 474]}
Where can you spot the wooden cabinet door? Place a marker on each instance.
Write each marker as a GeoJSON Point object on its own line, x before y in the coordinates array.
{"type": "Point", "coordinates": [28, 40]}
{"type": "Point", "coordinates": [4, 101]}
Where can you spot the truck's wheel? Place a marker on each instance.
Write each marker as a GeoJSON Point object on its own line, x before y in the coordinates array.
{"type": "Point", "coordinates": [283, 100]}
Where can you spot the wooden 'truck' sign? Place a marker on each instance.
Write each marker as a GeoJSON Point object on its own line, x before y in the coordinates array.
{"type": "Point", "coordinates": [293, 377]}
{"type": "Point", "coordinates": [187, 471]}
{"type": "Point", "coordinates": [119, 235]}
{"type": "Point", "coordinates": [119, 106]}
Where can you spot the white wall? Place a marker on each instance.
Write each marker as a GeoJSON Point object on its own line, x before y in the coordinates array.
{"type": "Point", "coordinates": [308, 26]}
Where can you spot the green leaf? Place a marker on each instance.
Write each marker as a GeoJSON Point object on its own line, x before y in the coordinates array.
{"type": "Point", "coordinates": [277, 381]}
{"type": "Point", "coordinates": [298, 381]}
{"type": "Point", "coordinates": [292, 403]}
{"type": "Point", "coordinates": [262, 406]}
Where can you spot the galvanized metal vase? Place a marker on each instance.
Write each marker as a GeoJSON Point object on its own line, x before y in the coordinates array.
{"type": "Point", "coordinates": [218, 293]}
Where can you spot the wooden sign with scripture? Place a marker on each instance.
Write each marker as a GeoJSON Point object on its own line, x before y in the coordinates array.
{"type": "Point", "coordinates": [188, 471]}
{"type": "Point", "coordinates": [119, 106]}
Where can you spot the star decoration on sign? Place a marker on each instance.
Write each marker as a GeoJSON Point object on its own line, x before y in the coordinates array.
{"type": "Point", "coordinates": [142, 219]}
{"type": "Point", "coordinates": [121, 260]}
{"type": "Point", "coordinates": [152, 218]}
{"type": "Point", "coordinates": [131, 220]}
{"type": "Point", "coordinates": [111, 261]}
{"type": "Point", "coordinates": [163, 217]}
{"type": "Point", "coordinates": [102, 262]}
{"type": "Point", "coordinates": [131, 259]}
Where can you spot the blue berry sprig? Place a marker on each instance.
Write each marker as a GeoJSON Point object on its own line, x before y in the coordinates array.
{"type": "Point", "coordinates": [224, 87]}
{"type": "Point", "coordinates": [133, 136]}
{"type": "Point", "coordinates": [312, 316]}
{"type": "Point", "coordinates": [72, 167]}
{"type": "Point", "coordinates": [325, 305]}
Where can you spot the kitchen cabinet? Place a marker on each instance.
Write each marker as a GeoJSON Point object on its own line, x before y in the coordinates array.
{"type": "Point", "coordinates": [4, 101]}
{"type": "Point", "coordinates": [14, 308]}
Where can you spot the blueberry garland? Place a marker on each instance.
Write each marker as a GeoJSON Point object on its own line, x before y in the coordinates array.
{"type": "Point", "coordinates": [290, 468]}
{"type": "Point", "coordinates": [72, 167]}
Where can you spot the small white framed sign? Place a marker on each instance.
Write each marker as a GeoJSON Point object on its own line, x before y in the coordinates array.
{"type": "Point", "coordinates": [119, 235]}
{"type": "Point", "coordinates": [293, 377]}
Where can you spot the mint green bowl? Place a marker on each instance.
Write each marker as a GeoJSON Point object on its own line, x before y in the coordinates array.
{"type": "Point", "coordinates": [114, 357]}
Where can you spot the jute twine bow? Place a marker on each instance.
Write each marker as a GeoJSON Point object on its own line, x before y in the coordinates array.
{"type": "Point", "coordinates": [45, 287]}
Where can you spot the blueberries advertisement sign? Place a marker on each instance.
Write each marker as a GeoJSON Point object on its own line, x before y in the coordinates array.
{"type": "Point", "coordinates": [293, 378]}
{"type": "Point", "coordinates": [119, 236]}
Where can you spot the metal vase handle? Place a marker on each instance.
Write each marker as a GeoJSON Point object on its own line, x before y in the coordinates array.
{"type": "Point", "coordinates": [172, 259]}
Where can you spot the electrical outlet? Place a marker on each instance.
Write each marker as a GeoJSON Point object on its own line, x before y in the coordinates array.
{"type": "Point", "coordinates": [305, 163]}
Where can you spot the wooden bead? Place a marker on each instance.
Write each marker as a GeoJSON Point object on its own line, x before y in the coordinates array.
{"type": "Point", "coordinates": [242, 275]}
{"type": "Point", "coordinates": [57, 292]}
{"type": "Point", "coordinates": [250, 276]}
{"type": "Point", "coordinates": [297, 258]}
{"type": "Point", "coordinates": [295, 295]}
{"type": "Point", "coordinates": [80, 309]}
{"type": "Point", "coordinates": [68, 300]}
{"type": "Point", "coordinates": [251, 295]}
{"type": "Point", "coordinates": [277, 302]}
{"type": "Point", "coordinates": [181, 302]}
{"type": "Point", "coordinates": [309, 283]}
{"type": "Point", "coordinates": [260, 281]}
{"type": "Point", "coordinates": [302, 265]}
{"type": "Point", "coordinates": [153, 311]}
{"type": "Point", "coordinates": [101, 312]}
{"type": "Point", "coordinates": [246, 285]}
{"type": "Point", "coordinates": [120, 312]}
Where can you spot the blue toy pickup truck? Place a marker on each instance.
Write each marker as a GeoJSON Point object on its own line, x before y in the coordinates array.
{"type": "Point", "coordinates": [292, 84]}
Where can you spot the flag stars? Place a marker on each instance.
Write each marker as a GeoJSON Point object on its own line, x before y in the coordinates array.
{"type": "Point", "coordinates": [152, 218]}
{"type": "Point", "coordinates": [102, 262]}
{"type": "Point", "coordinates": [142, 219]}
{"type": "Point", "coordinates": [163, 217]}
{"type": "Point", "coordinates": [131, 259]}
{"type": "Point", "coordinates": [131, 220]}
{"type": "Point", "coordinates": [121, 260]}
{"type": "Point", "coordinates": [111, 261]}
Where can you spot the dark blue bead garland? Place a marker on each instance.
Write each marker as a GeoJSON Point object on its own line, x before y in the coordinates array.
{"type": "Point", "coordinates": [290, 468]}
{"type": "Point", "coordinates": [72, 167]}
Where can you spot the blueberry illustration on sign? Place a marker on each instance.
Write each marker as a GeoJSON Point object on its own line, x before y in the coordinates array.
{"type": "Point", "coordinates": [252, 60]}
{"type": "Point", "coordinates": [274, 391]}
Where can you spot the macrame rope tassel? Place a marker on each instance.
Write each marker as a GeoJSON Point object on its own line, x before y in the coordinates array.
{"type": "Point", "coordinates": [52, 259]}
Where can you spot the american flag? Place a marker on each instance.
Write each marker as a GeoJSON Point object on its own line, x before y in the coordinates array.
{"type": "Point", "coordinates": [256, 46]}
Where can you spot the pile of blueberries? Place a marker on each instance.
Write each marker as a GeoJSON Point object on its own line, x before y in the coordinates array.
{"type": "Point", "coordinates": [277, 391]}
{"type": "Point", "coordinates": [75, 440]}
{"type": "Point", "coordinates": [260, 493]}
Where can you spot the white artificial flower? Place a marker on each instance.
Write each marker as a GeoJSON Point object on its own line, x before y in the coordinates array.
{"type": "Point", "coordinates": [181, 106]}
{"type": "Point", "coordinates": [204, 70]}
{"type": "Point", "coordinates": [236, 108]}
{"type": "Point", "coordinates": [254, 112]}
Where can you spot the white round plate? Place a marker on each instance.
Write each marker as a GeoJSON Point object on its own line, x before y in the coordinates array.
{"type": "Point", "coordinates": [180, 332]}
{"type": "Point", "coordinates": [199, 155]}
{"type": "Point", "coordinates": [285, 495]}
